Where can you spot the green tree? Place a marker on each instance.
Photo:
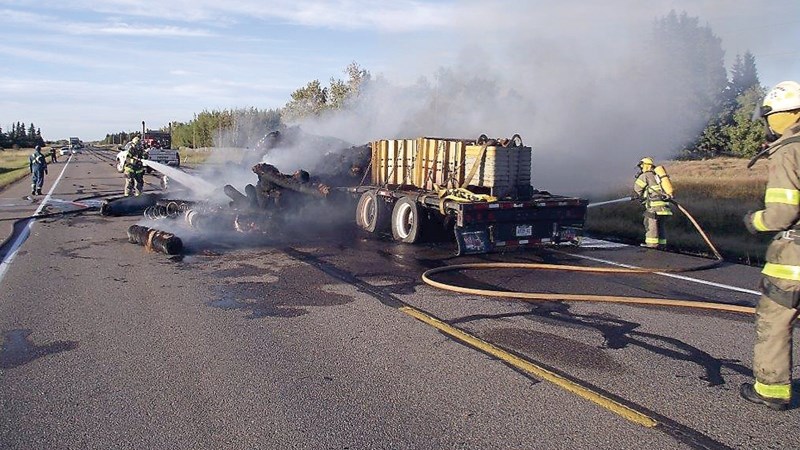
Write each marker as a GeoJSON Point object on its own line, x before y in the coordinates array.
{"type": "Point", "coordinates": [314, 99]}
{"type": "Point", "coordinates": [744, 75]}
{"type": "Point", "coordinates": [307, 101]}
{"type": "Point", "coordinates": [745, 135]}
{"type": "Point", "coordinates": [342, 91]}
{"type": "Point", "coordinates": [687, 66]}
{"type": "Point", "coordinates": [38, 140]}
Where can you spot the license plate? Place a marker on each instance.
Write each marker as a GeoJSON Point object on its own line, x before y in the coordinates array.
{"type": "Point", "coordinates": [524, 230]}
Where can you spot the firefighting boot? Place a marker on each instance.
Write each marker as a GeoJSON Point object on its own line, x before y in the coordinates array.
{"type": "Point", "coordinates": [33, 190]}
{"type": "Point", "coordinates": [748, 392]}
{"type": "Point", "coordinates": [38, 192]}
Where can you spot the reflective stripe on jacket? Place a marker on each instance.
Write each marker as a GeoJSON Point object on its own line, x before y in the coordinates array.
{"type": "Point", "coordinates": [646, 186]}
{"type": "Point", "coordinates": [133, 165]}
{"type": "Point", "coordinates": [782, 209]}
{"type": "Point", "coordinates": [37, 161]}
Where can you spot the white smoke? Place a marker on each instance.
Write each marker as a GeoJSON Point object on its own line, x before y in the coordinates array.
{"type": "Point", "coordinates": [577, 83]}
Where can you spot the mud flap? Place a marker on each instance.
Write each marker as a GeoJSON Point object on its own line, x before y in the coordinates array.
{"type": "Point", "coordinates": [472, 241]}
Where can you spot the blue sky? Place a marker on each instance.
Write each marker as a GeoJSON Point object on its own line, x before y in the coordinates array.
{"type": "Point", "coordinates": [89, 67]}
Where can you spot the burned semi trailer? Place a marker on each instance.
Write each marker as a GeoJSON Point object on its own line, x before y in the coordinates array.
{"type": "Point", "coordinates": [480, 188]}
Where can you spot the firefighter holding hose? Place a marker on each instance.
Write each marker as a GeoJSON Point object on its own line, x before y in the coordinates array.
{"type": "Point", "coordinates": [777, 310]}
{"type": "Point", "coordinates": [653, 188]}
{"type": "Point", "coordinates": [134, 169]}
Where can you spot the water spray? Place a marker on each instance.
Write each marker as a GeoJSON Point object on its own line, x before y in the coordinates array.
{"type": "Point", "coordinates": [619, 200]}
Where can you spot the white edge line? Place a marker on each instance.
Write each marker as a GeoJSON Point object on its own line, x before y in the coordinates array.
{"type": "Point", "coordinates": [671, 275]}
{"type": "Point", "coordinates": [6, 262]}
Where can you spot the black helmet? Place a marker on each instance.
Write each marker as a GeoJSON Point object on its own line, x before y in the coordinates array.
{"type": "Point", "coordinates": [37, 148]}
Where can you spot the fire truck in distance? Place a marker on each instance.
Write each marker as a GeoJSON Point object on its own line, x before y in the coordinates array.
{"type": "Point", "coordinates": [158, 147]}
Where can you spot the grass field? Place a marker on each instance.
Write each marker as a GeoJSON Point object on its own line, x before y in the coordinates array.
{"type": "Point", "coordinates": [193, 157]}
{"type": "Point", "coordinates": [13, 165]}
{"type": "Point", "coordinates": [718, 193]}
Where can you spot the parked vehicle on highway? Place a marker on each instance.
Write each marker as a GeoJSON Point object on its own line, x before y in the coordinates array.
{"type": "Point", "coordinates": [65, 151]}
{"type": "Point", "coordinates": [121, 155]}
{"type": "Point", "coordinates": [157, 147]}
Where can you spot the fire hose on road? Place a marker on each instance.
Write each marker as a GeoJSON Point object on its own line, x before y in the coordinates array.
{"type": "Point", "coordinates": [539, 296]}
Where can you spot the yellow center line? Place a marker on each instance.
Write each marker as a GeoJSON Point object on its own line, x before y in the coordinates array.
{"type": "Point", "coordinates": [537, 371]}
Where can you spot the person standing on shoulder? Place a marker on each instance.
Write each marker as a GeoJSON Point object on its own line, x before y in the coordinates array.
{"type": "Point", "coordinates": [38, 166]}
{"type": "Point", "coordinates": [777, 311]}
{"type": "Point", "coordinates": [53, 157]}
{"type": "Point", "coordinates": [649, 189]}
{"type": "Point", "coordinates": [133, 168]}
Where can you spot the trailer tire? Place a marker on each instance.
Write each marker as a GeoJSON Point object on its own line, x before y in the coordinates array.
{"type": "Point", "coordinates": [372, 213]}
{"type": "Point", "coordinates": [407, 221]}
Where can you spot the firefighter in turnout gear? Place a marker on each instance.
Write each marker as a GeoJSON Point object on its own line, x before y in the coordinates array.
{"type": "Point", "coordinates": [651, 191]}
{"type": "Point", "coordinates": [38, 166]}
{"type": "Point", "coordinates": [777, 311]}
{"type": "Point", "coordinates": [134, 169]}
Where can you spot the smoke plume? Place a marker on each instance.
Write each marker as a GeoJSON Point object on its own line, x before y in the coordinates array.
{"type": "Point", "coordinates": [580, 85]}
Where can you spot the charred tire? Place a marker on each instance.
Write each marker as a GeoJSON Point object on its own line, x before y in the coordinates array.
{"type": "Point", "coordinates": [372, 213]}
{"type": "Point", "coordinates": [407, 221]}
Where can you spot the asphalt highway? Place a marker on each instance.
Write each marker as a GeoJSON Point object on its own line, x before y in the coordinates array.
{"type": "Point", "coordinates": [327, 338]}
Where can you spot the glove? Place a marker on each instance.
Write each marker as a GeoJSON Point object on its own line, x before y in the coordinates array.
{"type": "Point", "coordinates": [635, 198]}
{"type": "Point", "coordinates": [748, 222]}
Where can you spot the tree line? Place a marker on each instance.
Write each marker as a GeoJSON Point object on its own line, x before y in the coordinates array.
{"type": "Point", "coordinates": [691, 67]}
{"type": "Point", "coordinates": [21, 136]}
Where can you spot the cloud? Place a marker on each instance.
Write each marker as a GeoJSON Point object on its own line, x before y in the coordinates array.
{"type": "Point", "coordinates": [147, 31]}
{"type": "Point", "coordinates": [390, 17]}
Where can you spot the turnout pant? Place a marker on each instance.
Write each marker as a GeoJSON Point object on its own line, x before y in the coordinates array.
{"type": "Point", "coordinates": [133, 184]}
{"type": "Point", "coordinates": [37, 179]}
{"type": "Point", "coordinates": [772, 353]}
{"type": "Point", "coordinates": [654, 229]}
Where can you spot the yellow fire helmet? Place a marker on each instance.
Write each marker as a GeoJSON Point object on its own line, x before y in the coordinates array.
{"type": "Point", "coordinates": [781, 106]}
{"type": "Point", "coordinates": [646, 163]}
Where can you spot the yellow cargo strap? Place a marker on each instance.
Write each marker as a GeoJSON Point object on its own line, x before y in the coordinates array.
{"type": "Point", "coordinates": [475, 166]}
{"type": "Point", "coordinates": [782, 271]}
{"type": "Point", "coordinates": [460, 195]}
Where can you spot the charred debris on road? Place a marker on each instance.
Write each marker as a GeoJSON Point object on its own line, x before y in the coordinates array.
{"type": "Point", "coordinates": [272, 207]}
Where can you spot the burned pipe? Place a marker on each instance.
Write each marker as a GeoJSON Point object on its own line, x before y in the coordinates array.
{"type": "Point", "coordinates": [153, 239]}
{"type": "Point", "coordinates": [237, 197]}
{"type": "Point", "coordinates": [272, 175]}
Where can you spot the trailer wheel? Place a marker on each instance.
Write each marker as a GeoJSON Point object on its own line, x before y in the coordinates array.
{"type": "Point", "coordinates": [406, 221]}
{"type": "Point", "coordinates": [372, 214]}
